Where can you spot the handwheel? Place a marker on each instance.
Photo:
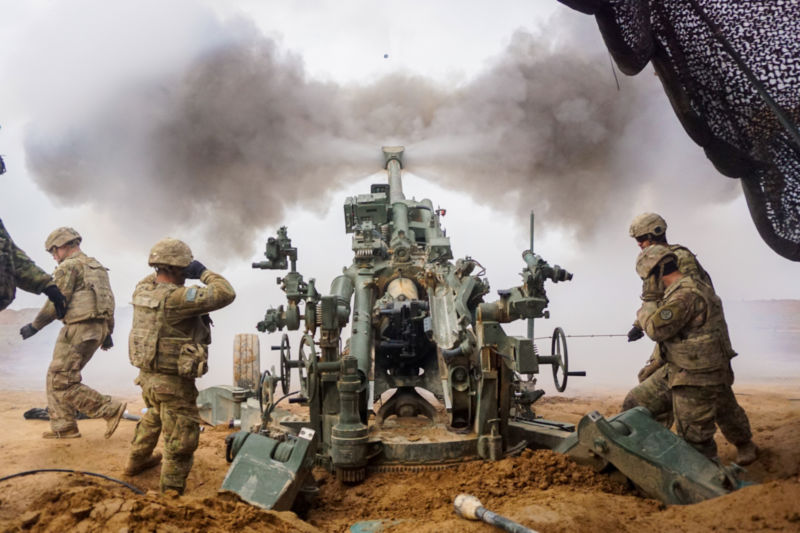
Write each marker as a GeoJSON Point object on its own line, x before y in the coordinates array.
{"type": "Point", "coordinates": [558, 349]}
{"type": "Point", "coordinates": [307, 365]}
{"type": "Point", "coordinates": [261, 392]}
{"type": "Point", "coordinates": [286, 376]}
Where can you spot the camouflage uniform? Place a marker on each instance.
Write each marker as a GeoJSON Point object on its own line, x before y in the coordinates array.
{"type": "Point", "coordinates": [169, 343]}
{"type": "Point", "coordinates": [17, 270]}
{"type": "Point", "coordinates": [690, 326]}
{"type": "Point", "coordinates": [653, 392]}
{"type": "Point", "coordinates": [89, 320]}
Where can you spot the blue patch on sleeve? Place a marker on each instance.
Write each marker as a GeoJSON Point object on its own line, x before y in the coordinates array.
{"type": "Point", "coordinates": [191, 294]}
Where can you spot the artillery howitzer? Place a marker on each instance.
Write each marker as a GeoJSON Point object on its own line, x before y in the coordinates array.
{"type": "Point", "coordinates": [418, 321]}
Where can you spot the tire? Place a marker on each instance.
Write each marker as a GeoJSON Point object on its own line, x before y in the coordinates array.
{"type": "Point", "coordinates": [246, 361]}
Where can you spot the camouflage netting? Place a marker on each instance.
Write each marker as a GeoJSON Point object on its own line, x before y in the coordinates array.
{"type": "Point", "coordinates": [709, 89]}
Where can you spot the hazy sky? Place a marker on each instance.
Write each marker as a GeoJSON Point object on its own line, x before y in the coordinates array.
{"type": "Point", "coordinates": [217, 122]}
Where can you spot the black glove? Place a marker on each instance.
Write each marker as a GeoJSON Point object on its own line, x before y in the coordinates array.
{"type": "Point", "coordinates": [635, 334]}
{"type": "Point", "coordinates": [108, 342]}
{"type": "Point", "coordinates": [28, 330]}
{"type": "Point", "coordinates": [194, 270]}
{"type": "Point", "coordinates": [59, 302]}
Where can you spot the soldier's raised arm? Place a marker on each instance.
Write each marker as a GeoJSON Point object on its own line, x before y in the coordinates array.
{"type": "Point", "coordinates": [195, 300]}
{"type": "Point", "coordinates": [25, 274]}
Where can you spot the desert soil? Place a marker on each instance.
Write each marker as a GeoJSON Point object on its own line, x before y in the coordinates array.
{"type": "Point", "coordinates": [541, 490]}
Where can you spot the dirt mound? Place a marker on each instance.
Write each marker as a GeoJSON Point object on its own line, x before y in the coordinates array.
{"type": "Point", "coordinates": [80, 505]}
{"type": "Point", "coordinates": [431, 493]}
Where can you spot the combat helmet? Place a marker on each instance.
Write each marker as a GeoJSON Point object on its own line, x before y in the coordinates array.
{"type": "Point", "coordinates": [651, 257]}
{"type": "Point", "coordinates": [648, 224]}
{"type": "Point", "coordinates": [170, 252]}
{"type": "Point", "coordinates": [60, 237]}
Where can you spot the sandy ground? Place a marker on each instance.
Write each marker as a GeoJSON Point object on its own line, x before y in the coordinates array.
{"type": "Point", "coordinates": [541, 490]}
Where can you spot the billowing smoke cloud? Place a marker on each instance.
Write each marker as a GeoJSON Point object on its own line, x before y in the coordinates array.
{"type": "Point", "coordinates": [229, 142]}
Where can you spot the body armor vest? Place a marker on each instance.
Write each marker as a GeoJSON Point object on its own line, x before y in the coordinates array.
{"type": "Point", "coordinates": [704, 345]}
{"type": "Point", "coordinates": [156, 346]}
{"type": "Point", "coordinates": [94, 299]}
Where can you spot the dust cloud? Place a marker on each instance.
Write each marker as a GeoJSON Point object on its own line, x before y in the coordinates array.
{"type": "Point", "coordinates": [226, 143]}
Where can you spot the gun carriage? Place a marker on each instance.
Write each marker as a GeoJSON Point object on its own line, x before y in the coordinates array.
{"type": "Point", "coordinates": [427, 347]}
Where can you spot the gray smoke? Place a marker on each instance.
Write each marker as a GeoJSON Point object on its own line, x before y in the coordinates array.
{"type": "Point", "coordinates": [228, 143]}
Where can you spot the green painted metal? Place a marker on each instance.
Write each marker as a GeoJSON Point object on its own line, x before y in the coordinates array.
{"type": "Point", "coordinates": [660, 463]}
{"type": "Point", "coordinates": [268, 473]}
{"type": "Point", "coordinates": [221, 404]}
{"type": "Point", "coordinates": [433, 331]}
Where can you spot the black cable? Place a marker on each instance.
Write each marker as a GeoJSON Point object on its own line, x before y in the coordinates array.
{"type": "Point", "coordinates": [585, 336]}
{"type": "Point", "coordinates": [29, 472]}
{"type": "Point", "coordinates": [271, 407]}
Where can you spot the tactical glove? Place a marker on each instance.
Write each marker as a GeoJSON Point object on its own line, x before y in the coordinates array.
{"type": "Point", "coordinates": [28, 331]}
{"type": "Point", "coordinates": [107, 343]}
{"type": "Point", "coordinates": [59, 302]}
{"type": "Point", "coordinates": [194, 270]}
{"type": "Point", "coordinates": [635, 334]}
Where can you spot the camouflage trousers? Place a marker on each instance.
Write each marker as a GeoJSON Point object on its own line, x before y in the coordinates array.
{"type": "Point", "coordinates": [654, 394]}
{"type": "Point", "coordinates": [172, 408]}
{"type": "Point", "coordinates": [699, 409]}
{"type": "Point", "coordinates": [66, 395]}
{"type": "Point", "coordinates": [696, 409]}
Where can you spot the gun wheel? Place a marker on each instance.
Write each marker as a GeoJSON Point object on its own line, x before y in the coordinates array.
{"type": "Point", "coordinates": [246, 360]}
{"type": "Point", "coordinates": [558, 348]}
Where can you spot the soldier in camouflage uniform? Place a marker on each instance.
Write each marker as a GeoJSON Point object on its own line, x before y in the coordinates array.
{"type": "Point", "coordinates": [17, 270]}
{"type": "Point", "coordinates": [653, 391]}
{"type": "Point", "coordinates": [689, 323]}
{"type": "Point", "coordinates": [88, 323]}
{"type": "Point", "coordinates": [169, 344]}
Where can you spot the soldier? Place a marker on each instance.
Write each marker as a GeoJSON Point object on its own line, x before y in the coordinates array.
{"type": "Point", "coordinates": [169, 344]}
{"type": "Point", "coordinates": [689, 323]}
{"type": "Point", "coordinates": [17, 270]}
{"type": "Point", "coordinates": [653, 391]}
{"type": "Point", "coordinates": [88, 324]}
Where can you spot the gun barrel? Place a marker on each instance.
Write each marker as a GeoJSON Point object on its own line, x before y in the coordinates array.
{"type": "Point", "coordinates": [394, 164]}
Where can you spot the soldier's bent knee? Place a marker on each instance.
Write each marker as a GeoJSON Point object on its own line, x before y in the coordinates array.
{"type": "Point", "coordinates": [629, 402]}
{"type": "Point", "coordinates": [61, 381]}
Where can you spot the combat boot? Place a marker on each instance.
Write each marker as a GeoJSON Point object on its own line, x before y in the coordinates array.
{"type": "Point", "coordinates": [746, 453]}
{"type": "Point", "coordinates": [137, 467]}
{"type": "Point", "coordinates": [68, 434]}
{"type": "Point", "coordinates": [113, 421]}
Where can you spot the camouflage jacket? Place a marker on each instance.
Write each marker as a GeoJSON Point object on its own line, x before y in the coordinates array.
{"type": "Point", "coordinates": [84, 283]}
{"type": "Point", "coordinates": [690, 326]}
{"type": "Point", "coordinates": [170, 323]}
{"type": "Point", "coordinates": [688, 265]}
{"type": "Point", "coordinates": [17, 270]}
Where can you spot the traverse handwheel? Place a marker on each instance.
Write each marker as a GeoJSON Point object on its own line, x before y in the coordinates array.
{"type": "Point", "coordinates": [558, 349]}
